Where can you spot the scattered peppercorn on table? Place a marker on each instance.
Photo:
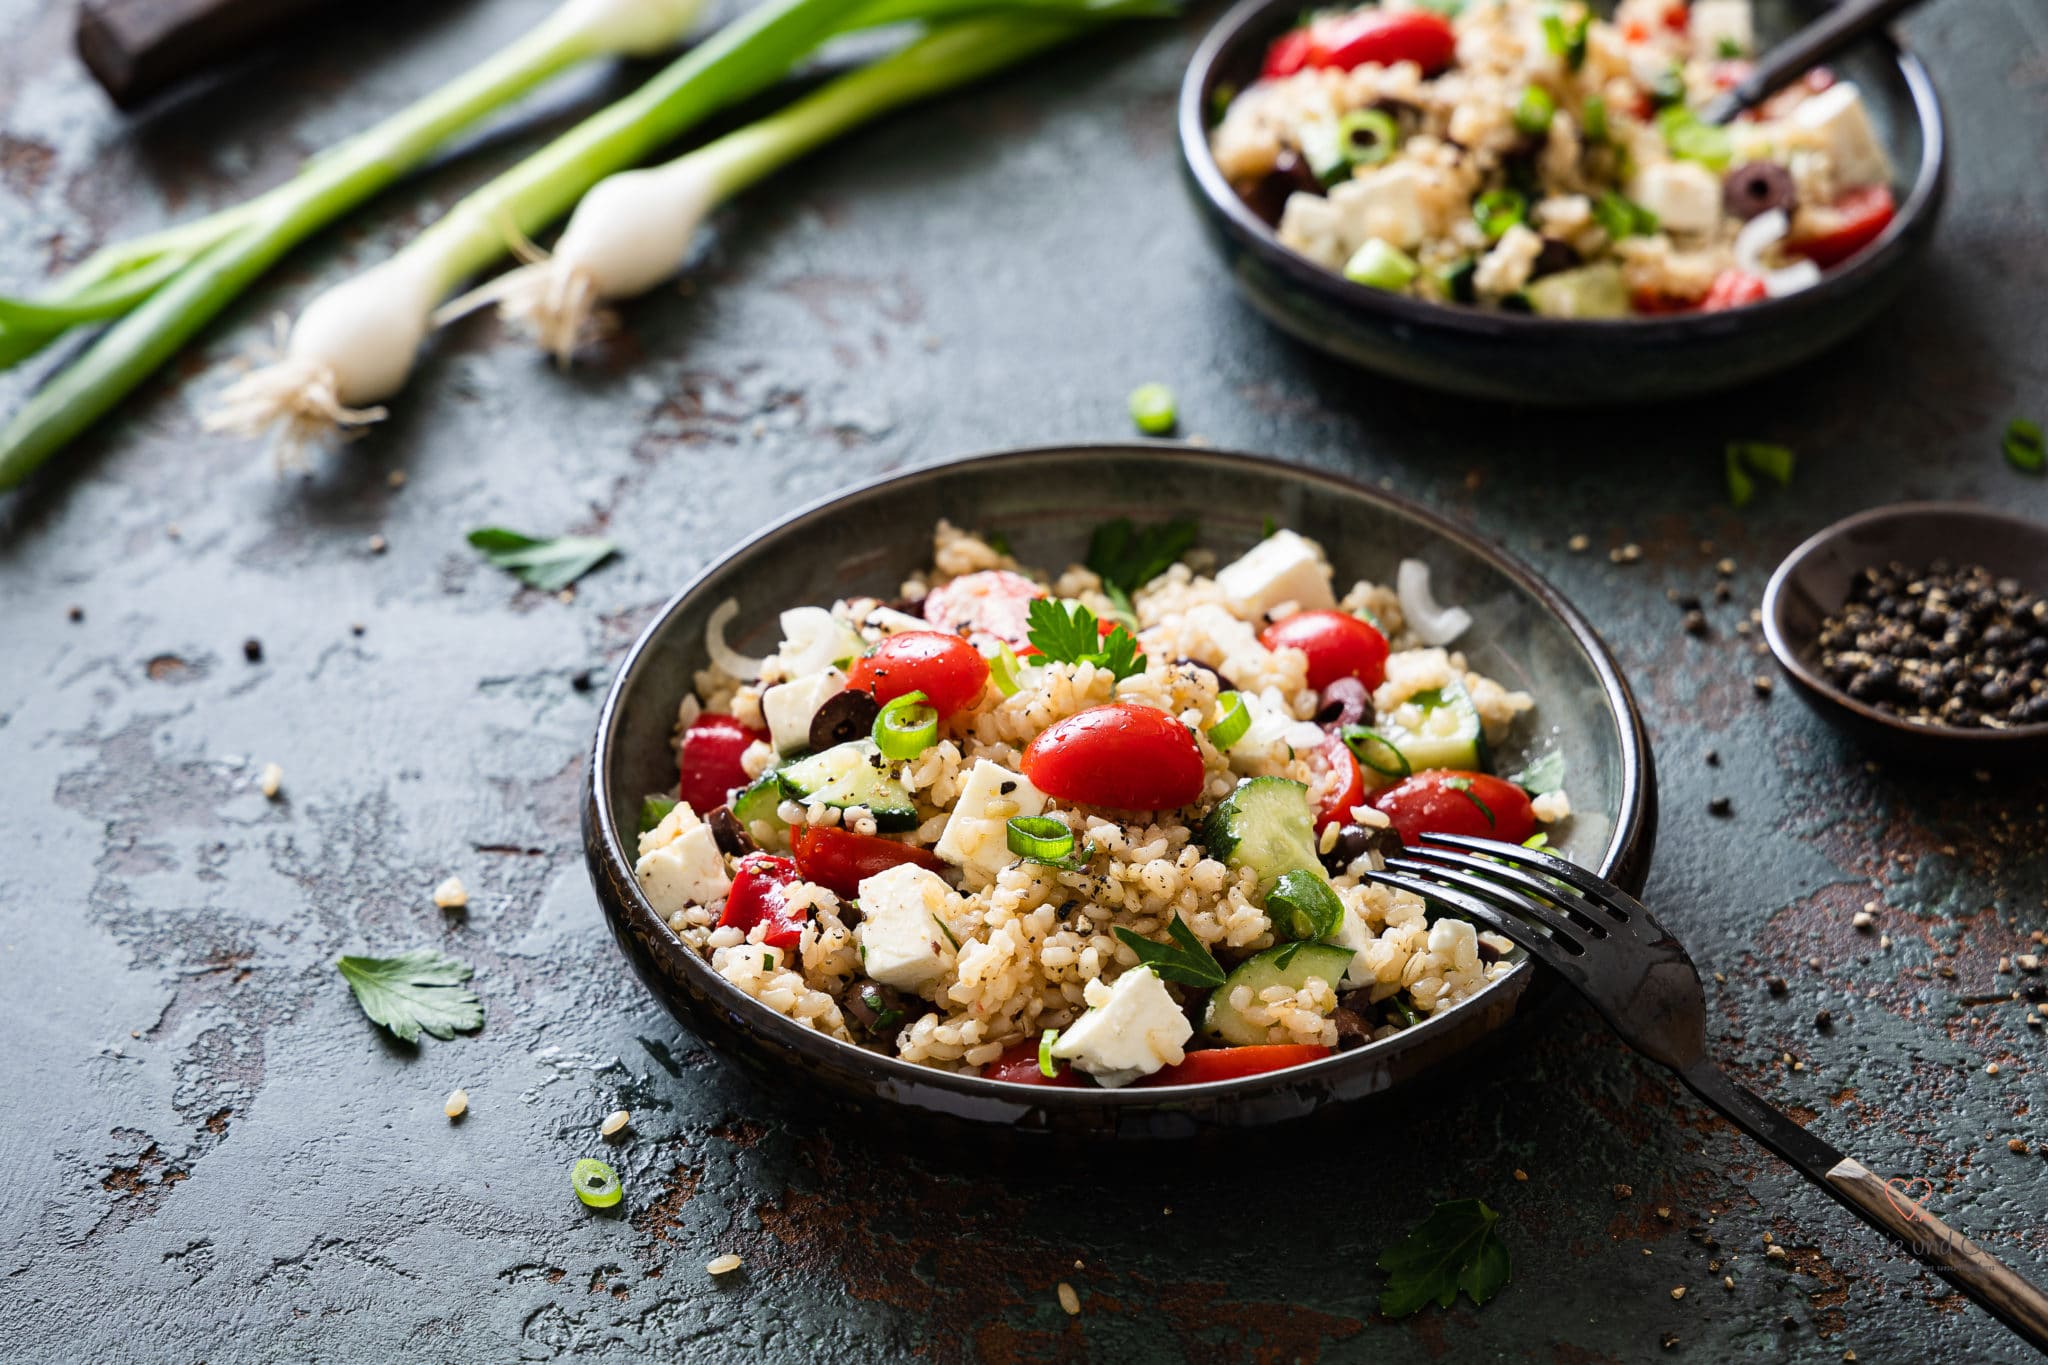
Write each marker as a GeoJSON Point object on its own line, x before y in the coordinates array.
{"type": "Point", "coordinates": [253, 723]}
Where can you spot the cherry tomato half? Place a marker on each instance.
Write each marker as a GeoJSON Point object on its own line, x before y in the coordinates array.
{"type": "Point", "coordinates": [760, 894]}
{"type": "Point", "coordinates": [1733, 289]}
{"type": "Point", "coordinates": [1338, 645]}
{"type": "Point", "coordinates": [992, 603]}
{"type": "Point", "coordinates": [1349, 790]}
{"type": "Point", "coordinates": [1444, 801]}
{"type": "Point", "coordinates": [1123, 756]}
{"type": "Point", "coordinates": [1385, 37]}
{"type": "Point", "coordinates": [708, 762]}
{"type": "Point", "coordinates": [1287, 55]}
{"type": "Point", "coordinates": [1229, 1063]}
{"type": "Point", "coordinates": [947, 669]}
{"type": "Point", "coordinates": [1850, 224]}
{"type": "Point", "coordinates": [841, 859]}
{"type": "Point", "coordinates": [1019, 1066]}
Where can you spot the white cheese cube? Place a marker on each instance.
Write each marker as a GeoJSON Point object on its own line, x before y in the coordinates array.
{"type": "Point", "coordinates": [1387, 204]}
{"type": "Point", "coordinates": [790, 707]}
{"type": "Point", "coordinates": [1507, 267]}
{"type": "Point", "coordinates": [1284, 567]}
{"type": "Point", "coordinates": [890, 621]}
{"type": "Point", "coordinates": [1722, 28]}
{"type": "Point", "coordinates": [1131, 1029]}
{"type": "Point", "coordinates": [975, 839]}
{"type": "Point", "coordinates": [814, 639]}
{"type": "Point", "coordinates": [1836, 122]}
{"type": "Point", "coordinates": [1312, 226]}
{"type": "Point", "coordinates": [1352, 933]}
{"type": "Point", "coordinates": [901, 944]}
{"type": "Point", "coordinates": [680, 864]}
{"type": "Point", "coordinates": [1685, 196]}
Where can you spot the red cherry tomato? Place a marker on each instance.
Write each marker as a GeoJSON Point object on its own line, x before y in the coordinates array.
{"type": "Point", "coordinates": [760, 895]}
{"type": "Point", "coordinates": [1444, 801]}
{"type": "Point", "coordinates": [1678, 18]}
{"type": "Point", "coordinates": [1851, 223]}
{"type": "Point", "coordinates": [1229, 1063]}
{"type": "Point", "coordinates": [1733, 289]}
{"type": "Point", "coordinates": [1019, 1066]}
{"type": "Point", "coordinates": [1634, 31]}
{"type": "Point", "coordinates": [1350, 788]}
{"type": "Point", "coordinates": [1655, 304]}
{"type": "Point", "coordinates": [1123, 756]}
{"type": "Point", "coordinates": [1103, 628]}
{"type": "Point", "coordinates": [948, 670]}
{"type": "Point", "coordinates": [1338, 645]}
{"type": "Point", "coordinates": [993, 603]}
{"type": "Point", "coordinates": [709, 761]}
{"type": "Point", "coordinates": [841, 859]}
{"type": "Point", "coordinates": [1384, 37]}
{"type": "Point", "coordinates": [1287, 55]}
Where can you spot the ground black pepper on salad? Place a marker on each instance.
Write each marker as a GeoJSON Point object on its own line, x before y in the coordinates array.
{"type": "Point", "coordinates": [1947, 645]}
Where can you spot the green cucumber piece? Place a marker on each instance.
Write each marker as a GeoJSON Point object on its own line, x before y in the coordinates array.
{"type": "Point", "coordinates": [1265, 825]}
{"type": "Point", "coordinates": [1592, 291]}
{"type": "Point", "coordinates": [1438, 728]}
{"type": "Point", "coordinates": [1304, 905]}
{"type": "Point", "coordinates": [1289, 965]}
{"type": "Point", "coordinates": [852, 774]}
{"type": "Point", "coordinates": [759, 800]}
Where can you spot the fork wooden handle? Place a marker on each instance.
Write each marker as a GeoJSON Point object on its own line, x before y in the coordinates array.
{"type": "Point", "coordinates": [1933, 1241]}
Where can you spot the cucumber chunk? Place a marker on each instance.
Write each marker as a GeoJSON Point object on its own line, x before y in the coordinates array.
{"type": "Point", "coordinates": [758, 800]}
{"type": "Point", "coordinates": [1264, 825]}
{"type": "Point", "coordinates": [1437, 729]}
{"type": "Point", "coordinates": [1289, 965]}
{"type": "Point", "coordinates": [1591, 291]}
{"type": "Point", "coordinates": [852, 774]}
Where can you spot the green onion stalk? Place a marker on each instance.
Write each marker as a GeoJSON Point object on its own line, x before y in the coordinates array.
{"type": "Point", "coordinates": [119, 278]}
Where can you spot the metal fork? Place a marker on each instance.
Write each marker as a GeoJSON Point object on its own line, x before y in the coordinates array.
{"type": "Point", "coordinates": [1612, 951]}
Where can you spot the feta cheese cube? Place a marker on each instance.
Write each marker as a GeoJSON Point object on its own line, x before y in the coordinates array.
{"type": "Point", "coordinates": [680, 864]}
{"type": "Point", "coordinates": [1836, 122]}
{"type": "Point", "coordinates": [1312, 226]}
{"type": "Point", "coordinates": [1353, 933]}
{"type": "Point", "coordinates": [1387, 204]}
{"type": "Point", "coordinates": [1685, 196]}
{"type": "Point", "coordinates": [890, 621]}
{"type": "Point", "coordinates": [1722, 28]}
{"type": "Point", "coordinates": [1507, 267]}
{"type": "Point", "coordinates": [790, 707]}
{"type": "Point", "coordinates": [815, 639]}
{"type": "Point", "coordinates": [900, 941]}
{"type": "Point", "coordinates": [975, 839]}
{"type": "Point", "coordinates": [1131, 1029]}
{"type": "Point", "coordinates": [1284, 567]}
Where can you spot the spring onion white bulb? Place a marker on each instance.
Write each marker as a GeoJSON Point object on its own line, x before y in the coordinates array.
{"type": "Point", "coordinates": [1431, 624]}
{"type": "Point", "coordinates": [1758, 236]}
{"type": "Point", "coordinates": [722, 654]}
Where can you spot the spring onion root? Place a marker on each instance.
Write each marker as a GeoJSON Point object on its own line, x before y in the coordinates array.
{"type": "Point", "coordinates": [213, 260]}
{"type": "Point", "coordinates": [634, 230]}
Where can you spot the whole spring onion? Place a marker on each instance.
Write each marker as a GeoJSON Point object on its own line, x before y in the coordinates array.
{"type": "Point", "coordinates": [906, 727]}
{"type": "Point", "coordinates": [211, 262]}
{"type": "Point", "coordinates": [1234, 721]}
{"type": "Point", "coordinates": [634, 230]}
{"type": "Point", "coordinates": [1040, 838]}
{"type": "Point", "coordinates": [596, 1183]}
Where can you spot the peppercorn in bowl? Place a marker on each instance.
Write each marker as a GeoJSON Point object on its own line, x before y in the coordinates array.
{"type": "Point", "coordinates": [1519, 200]}
{"type": "Point", "coordinates": [1028, 853]}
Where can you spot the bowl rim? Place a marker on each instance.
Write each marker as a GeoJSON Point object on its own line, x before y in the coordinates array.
{"type": "Point", "coordinates": [1790, 656]}
{"type": "Point", "coordinates": [1252, 232]}
{"type": "Point", "coordinates": [1635, 820]}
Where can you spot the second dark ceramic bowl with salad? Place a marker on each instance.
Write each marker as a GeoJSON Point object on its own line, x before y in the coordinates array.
{"type": "Point", "coordinates": [1030, 791]}
{"type": "Point", "coordinates": [1516, 199]}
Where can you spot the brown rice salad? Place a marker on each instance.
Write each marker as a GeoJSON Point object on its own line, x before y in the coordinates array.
{"type": "Point", "coordinates": [1533, 156]}
{"type": "Point", "coordinates": [1101, 827]}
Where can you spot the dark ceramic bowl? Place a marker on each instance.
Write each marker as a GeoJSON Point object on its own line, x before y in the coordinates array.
{"type": "Point", "coordinates": [1046, 501]}
{"type": "Point", "coordinates": [1555, 361]}
{"type": "Point", "coordinates": [1814, 581]}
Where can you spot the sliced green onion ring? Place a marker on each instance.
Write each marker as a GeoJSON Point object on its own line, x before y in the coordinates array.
{"type": "Point", "coordinates": [1003, 668]}
{"type": "Point", "coordinates": [1593, 119]}
{"type": "Point", "coordinates": [596, 1183]}
{"type": "Point", "coordinates": [1369, 136]}
{"type": "Point", "coordinates": [1040, 838]}
{"type": "Point", "coordinates": [1045, 1042]}
{"type": "Point", "coordinates": [1376, 751]}
{"type": "Point", "coordinates": [1499, 210]}
{"type": "Point", "coordinates": [1236, 719]}
{"type": "Point", "coordinates": [906, 727]}
{"type": "Point", "coordinates": [1534, 110]}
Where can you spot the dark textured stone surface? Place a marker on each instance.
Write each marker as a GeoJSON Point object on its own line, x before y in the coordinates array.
{"type": "Point", "coordinates": [208, 1153]}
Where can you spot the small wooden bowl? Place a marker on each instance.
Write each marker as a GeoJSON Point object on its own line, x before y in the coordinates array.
{"type": "Point", "coordinates": [1814, 581]}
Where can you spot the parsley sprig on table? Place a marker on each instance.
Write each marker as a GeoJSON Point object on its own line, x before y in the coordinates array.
{"type": "Point", "coordinates": [1185, 960]}
{"type": "Point", "coordinates": [1067, 632]}
{"type": "Point", "coordinates": [549, 565]}
{"type": "Point", "coordinates": [1454, 1248]}
{"type": "Point", "coordinates": [415, 991]}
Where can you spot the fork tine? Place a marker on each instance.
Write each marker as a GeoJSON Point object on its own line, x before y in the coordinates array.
{"type": "Point", "coordinates": [1548, 916]}
{"type": "Point", "coordinates": [1594, 887]}
{"type": "Point", "coordinates": [1599, 916]}
{"type": "Point", "coordinates": [1554, 951]}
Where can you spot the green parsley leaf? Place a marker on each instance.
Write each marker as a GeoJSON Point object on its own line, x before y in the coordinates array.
{"type": "Point", "coordinates": [1454, 1248]}
{"type": "Point", "coordinates": [1744, 459]}
{"type": "Point", "coordinates": [654, 809]}
{"type": "Point", "coordinates": [1185, 960]}
{"type": "Point", "coordinates": [1463, 786]}
{"type": "Point", "coordinates": [1067, 633]}
{"type": "Point", "coordinates": [2024, 445]}
{"type": "Point", "coordinates": [1128, 557]}
{"type": "Point", "coordinates": [422, 989]}
{"type": "Point", "coordinates": [1543, 776]}
{"type": "Point", "coordinates": [549, 565]}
